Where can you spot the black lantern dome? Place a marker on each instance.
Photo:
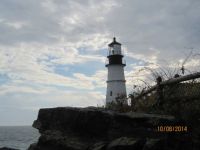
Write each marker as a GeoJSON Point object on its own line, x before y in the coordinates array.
{"type": "Point", "coordinates": [115, 55]}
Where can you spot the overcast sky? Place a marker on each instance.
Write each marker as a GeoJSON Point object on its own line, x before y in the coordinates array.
{"type": "Point", "coordinates": [52, 52]}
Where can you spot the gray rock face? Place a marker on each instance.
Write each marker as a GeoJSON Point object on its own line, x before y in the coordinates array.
{"type": "Point", "coordinates": [97, 129]}
{"type": "Point", "coordinates": [7, 148]}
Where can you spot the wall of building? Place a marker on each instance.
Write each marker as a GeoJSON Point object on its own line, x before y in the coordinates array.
{"type": "Point", "coordinates": [115, 83]}
{"type": "Point", "coordinates": [114, 89]}
{"type": "Point", "coordinates": [115, 72]}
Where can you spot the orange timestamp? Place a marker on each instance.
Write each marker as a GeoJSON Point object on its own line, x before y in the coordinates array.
{"type": "Point", "coordinates": [175, 128]}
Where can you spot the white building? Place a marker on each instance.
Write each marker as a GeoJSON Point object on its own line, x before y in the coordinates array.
{"type": "Point", "coordinates": [116, 81]}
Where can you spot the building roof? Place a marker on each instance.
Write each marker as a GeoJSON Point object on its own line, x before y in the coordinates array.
{"type": "Point", "coordinates": [114, 42]}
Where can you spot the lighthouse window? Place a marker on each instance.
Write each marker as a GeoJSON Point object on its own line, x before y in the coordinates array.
{"type": "Point", "coordinates": [110, 93]}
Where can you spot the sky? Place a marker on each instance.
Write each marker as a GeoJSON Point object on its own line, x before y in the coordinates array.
{"type": "Point", "coordinates": [53, 52]}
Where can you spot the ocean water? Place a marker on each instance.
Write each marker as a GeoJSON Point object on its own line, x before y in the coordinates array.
{"type": "Point", "coordinates": [18, 137]}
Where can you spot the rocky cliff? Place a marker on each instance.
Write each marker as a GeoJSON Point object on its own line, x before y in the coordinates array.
{"type": "Point", "coordinates": [98, 129]}
{"type": "Point", "coordinates": [7, 148]}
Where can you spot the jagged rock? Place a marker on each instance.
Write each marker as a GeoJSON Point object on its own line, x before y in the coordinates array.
{"type": "Point", "coordinates": [33, 146]}
{"type": "Point", "coordinates": [98, 146]}
{"type": "Point", "coordinates": [7, 148]}
{"type": "Point", "coordinates": [125, 143]}
{"type": "Point", "coordinates": [97, 129]}
{"type": "Point", "coordinates": [153, 144]}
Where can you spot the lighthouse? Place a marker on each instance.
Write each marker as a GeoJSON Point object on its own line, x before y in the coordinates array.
{"type": "Point", "coordinates": [116, 83]}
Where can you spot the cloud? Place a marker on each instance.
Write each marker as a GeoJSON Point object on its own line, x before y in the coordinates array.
{"type": "Point", "coordinates": [98, 79]}
{"type": "Point", "coordinates": [51, 21]}
{"type": "Point", "coordinates": [20, 106]}
{"type": "Point", "coordinates": [166, 26]}
{"type": "Point", "coordinates": [39, 37]}
{"type": "Point", "coordinates": [44, 96]}
{"type": "Point", "coordinates": [37, 65]}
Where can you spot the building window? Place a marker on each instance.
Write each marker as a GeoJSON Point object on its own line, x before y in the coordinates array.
{"type": "Point", "coordinates": [113, 52]}
{"type": "Point", "coordinates": [110, 93]}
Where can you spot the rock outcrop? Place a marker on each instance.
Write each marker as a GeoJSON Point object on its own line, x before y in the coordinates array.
{"type": "Point", "coordinates": [91, 128]}
{"type": "Point", "coordinates": [7, 148]}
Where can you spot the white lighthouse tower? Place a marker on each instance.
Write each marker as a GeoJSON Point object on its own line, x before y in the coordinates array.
{"type": "Point", "coordinates": [116, 81]}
